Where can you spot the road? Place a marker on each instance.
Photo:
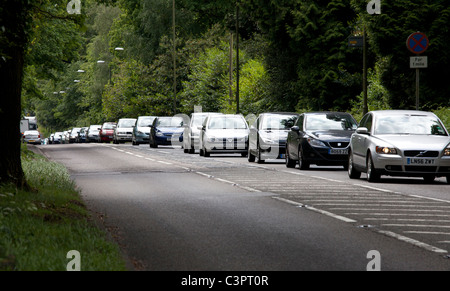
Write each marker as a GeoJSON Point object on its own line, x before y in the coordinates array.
{"type": "Point", "coordinates": [176, 211]}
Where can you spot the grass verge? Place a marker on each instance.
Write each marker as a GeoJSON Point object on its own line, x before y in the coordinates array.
{"type": "Point", "coordinates": [38, 229]}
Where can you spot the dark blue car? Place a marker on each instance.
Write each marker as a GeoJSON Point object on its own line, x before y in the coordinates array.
{"type": "Point", "coordinates": [166, 131]}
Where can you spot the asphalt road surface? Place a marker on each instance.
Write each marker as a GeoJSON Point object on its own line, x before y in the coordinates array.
{"type": "Point", "coordinates": [182, 212]}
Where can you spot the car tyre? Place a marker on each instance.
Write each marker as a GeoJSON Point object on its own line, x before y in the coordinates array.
{"type": "Point", "coordinates": [448, 179]}
{"type": "Point", "coordinates": [251, 158]}
{"type": "Point", "coordinates": [352, 172]}
{"type": "Point", "coordinates": [260, 160]}
{"type": "Point", "coordinates": [429, 178]}
{"type": "Point", "coordinates": [206, 154]}
{"type": "Point", "coordinates": [303, 165]}
{"type": "Point", "coordinates": [290, 163]}
{"type": "Point", "coordinates": [372, 173]}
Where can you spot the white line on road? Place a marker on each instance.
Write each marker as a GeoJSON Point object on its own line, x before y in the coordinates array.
{"type": "Point", "coordinates": [412, 241]}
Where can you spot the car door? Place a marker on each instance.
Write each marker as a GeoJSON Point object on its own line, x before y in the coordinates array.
{"type": "Point", "coordinates": [253, 136]}
{"type": "Point", "coordinates": [294, 137]}
{"type": "Point", "coordinates": [360, 141]}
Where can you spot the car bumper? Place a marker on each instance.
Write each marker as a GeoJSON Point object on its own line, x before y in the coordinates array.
{"type": "Point", "coordinates": [123, 137]}
{"type": "Point", "coordinates": [142, 138]}
{"type": "Point", "coordinates": [226, 146]}
{"type": "Point", "coordinates": [325, 156]}
{"type": "Point", "coordinates": [94, 138]}
{"type": "Point", "coordinates": [106, 138]}
{"type": "Point", "coordinates": [396, 165]}
{"type": "Point", "coordinates": [272, 150]}
{"type": "Point", "coordinates": [169, 140]}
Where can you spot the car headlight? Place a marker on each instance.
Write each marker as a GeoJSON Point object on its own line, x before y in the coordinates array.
{"type": "Point", "coordinates": [386, 150]}
{"type": "Point", "coordinates": [447, 151]}
{"type": "Point", "coordinates": [316, 143]}
{"type": "Point", "coordinates": [212, 139]}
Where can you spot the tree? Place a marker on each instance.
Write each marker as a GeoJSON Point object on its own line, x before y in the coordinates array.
{"type": "Point", "coordinates": [16, 28]}
{"type": "Point", "coordinates": [14, 24]}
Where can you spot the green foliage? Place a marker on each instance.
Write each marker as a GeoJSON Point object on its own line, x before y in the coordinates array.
{"type": "Point", "coordinates": [387, 37]}
{"type": "Point", "coordinates": [39, 228]}
{"type": "Point", "coordinates": [377, 95]}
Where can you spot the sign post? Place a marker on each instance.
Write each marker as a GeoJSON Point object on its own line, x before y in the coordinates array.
{"type": "Point", "coordinates": [417, 43]}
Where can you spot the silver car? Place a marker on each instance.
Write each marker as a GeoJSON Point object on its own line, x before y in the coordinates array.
{"type": "Point", "coordinates": [400, 143]}
{"type": "Point", "coordinates": [32, 137]}
{"type": "Point", "coordinates": [268, 134]}
{"type": "Point", "coordinates": [227, 133]}
{"type": "Point", "coordinates": [191, 135]}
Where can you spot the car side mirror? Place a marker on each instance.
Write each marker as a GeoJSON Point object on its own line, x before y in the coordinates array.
{"type": "Point", "coordinates": [362, 130]}
{"type": "Point", "coordinates": [295, 128]}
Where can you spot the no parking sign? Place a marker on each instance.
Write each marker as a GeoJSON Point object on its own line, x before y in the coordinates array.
{"type": "Point", "coordinates": [417, 43]}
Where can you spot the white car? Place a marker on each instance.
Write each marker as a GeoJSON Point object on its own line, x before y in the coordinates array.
{"type": "Point", "coordinates": [32, 136]}
{"type": "Point", "coordinates": [191, 135]}
{"type": "Point", "coordinates": [400, 143]}
{"type": "Point", "coordinates": [124, 130]}
{"type": "Point", "coordinates": [227, 133]}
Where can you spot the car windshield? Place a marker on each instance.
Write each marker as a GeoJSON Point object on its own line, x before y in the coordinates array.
{"type": "Point", "coordinates": [126, 123]}
{"type": "Point", "coordinates": [170, 122]}
{"type": "Point", "coordinates": [278, 122]}
{"type": "Point", "coordinates": [108, 126]}
{"type": "Point", "coordinates": [227, 122]}
{"type": "Point", "coordinates": [145, 122]}
{"type": "Point", "coordinates": [197, 120]}
{"type": "Point", "coordinates": [330, 121]}
{"type": "Point", "coordinates": [409, 124]}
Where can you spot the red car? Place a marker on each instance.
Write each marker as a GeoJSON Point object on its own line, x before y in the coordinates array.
{"type": "Point", "coordinates": [107, 131]}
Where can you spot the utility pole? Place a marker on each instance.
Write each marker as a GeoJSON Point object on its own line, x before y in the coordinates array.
{"type": "Point", "coordinates": [230, 81]}
{"type": "Point", "coordinates": [237, 57]}
{"type": "Point", "coordinates": [366, 107]}
{"type": "Point", "coordinates": [174, 62]}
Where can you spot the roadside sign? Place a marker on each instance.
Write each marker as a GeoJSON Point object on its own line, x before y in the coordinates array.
{"type": "Point", "coordinates": [418, 62]}
{"type": "Point", "coordinates": [417, 43]}
{"type": "Point", "coordinates": [355, 41]}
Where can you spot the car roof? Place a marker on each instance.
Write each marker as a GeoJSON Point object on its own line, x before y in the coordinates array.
{"type": "Point", "coordinates": [279, 113]}
{"type": "Point", "coordinates": [325, 112]}
{"type": "Point", "coordinates": [398, 112]}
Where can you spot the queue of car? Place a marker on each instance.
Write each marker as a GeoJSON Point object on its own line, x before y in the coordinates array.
{"type": "Point", "coordinates": [388, 142]}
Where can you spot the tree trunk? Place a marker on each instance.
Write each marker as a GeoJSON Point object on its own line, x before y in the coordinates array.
{"type": "Point", "coordinates": [14, 19]}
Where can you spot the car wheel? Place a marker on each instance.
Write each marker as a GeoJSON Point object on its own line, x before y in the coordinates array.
{"type": "Point", "coordinates": [429, 178]}
{"type": "Point", "coordinates": [206, 154]}
{"type": "Point", "coordinates": [352, 172]}
{"type": "Point", "coordinates": [448, 179]}
{"type": "Point", "coordinates": [289, 162]}
{"type": "Point", "coordinates": [303, 165]}
{"type": "Point", "coordinates": [251, 158]}
{"type": "Point", "coordinates": [260, 160]}
{"type": "Point", "coordinates": [372, 174]}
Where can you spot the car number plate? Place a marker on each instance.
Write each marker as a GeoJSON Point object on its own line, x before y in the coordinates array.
{"type": "Point", "coordinates": [338, 151]}
{"type": "Point", "coordinates": [414, 161]}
